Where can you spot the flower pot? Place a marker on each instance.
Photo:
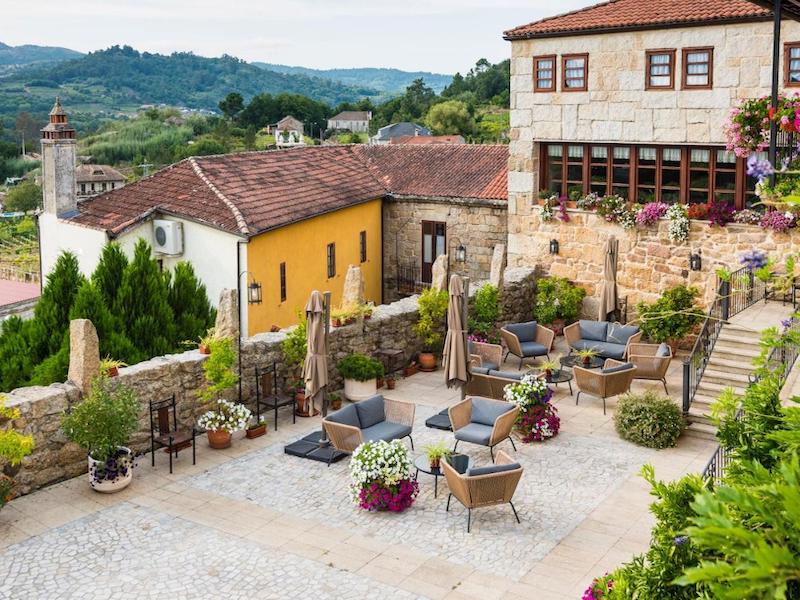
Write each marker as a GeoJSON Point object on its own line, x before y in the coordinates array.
{"type": "Point", "coordinates": [336, 404]}
{"type": "Point", "coordinates": [219, 439]}
{"type": "Point", "coordinates": [304, 408]}
{"type": "Point", "coordinates": [379, 382]}
{"type": "Point", "coordinates": [257, 431]}
{"type": "Point", "coordinates": [336, 322]}
{"type": "Point", "coordinates": [557, 326]}
{"type": "Point", "coordinates": [435, 463]}
{"type": "Point", "coordinates": [120, 482]}
{"type": "Point", "coordinates": [548, 375]}
{"type": "Point", "coordinates": [427, 361]}
{"type": "Point", "coordinates": [112, 371]}
{"type": "Point", "coordinates": [204, 349]}
{"type": "Point", "coordinates": [587, 361]}
{"type": "Point", "coordinates": [359, 390]}
{"type": "Point", "coordinates": [410, 370]}
{"type": "Point", "coordinates": [391, 383]}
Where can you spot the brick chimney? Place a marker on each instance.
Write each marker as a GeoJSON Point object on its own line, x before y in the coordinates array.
{"type": "Point", "coordinates": [59, 153]}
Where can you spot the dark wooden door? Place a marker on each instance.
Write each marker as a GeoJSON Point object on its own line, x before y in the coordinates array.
{"type": "Point", "coordinates": [434, 243]}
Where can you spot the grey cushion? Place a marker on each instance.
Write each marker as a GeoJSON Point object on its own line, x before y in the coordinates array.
{"type": "Point", "coordinates": [486, 411]}
{"type": "Point", "coordinates": [618, 368]}
{"type": "Point", "coordinates": [489, 365]}
{"type": "Point", "coordinates": [663, 350]}
{"type": "Point", "coordinates": [386, 431]}
{"type": "Point", "coordinates": [346, 416]}
{"type": "Point", "coordinates": [480, 370]}
{"type": "Point", "coordinates": [512, 375]}
{"type": "Point", "coordinates": [470, 347]}
{"type": "Point", "coordinates": [370, 411]}
{"type": "Point", "coordinates": [474, 433]}
{"type": "Point", "coordinates": [593, 330]}
{"type": "Point", "coordinates": [492, 469]}
{"type": "Point", "coordinates": [533, 349]}
{"type": "Point", "coordinates": [620, 334]}
{"type": "Point", "coordinates": [604, 349]}
{"type": "Point", "coordinates": [525, 332]}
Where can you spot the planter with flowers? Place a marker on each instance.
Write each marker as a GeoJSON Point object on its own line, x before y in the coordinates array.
{"type": "Point", "coordinates": [14, 446]}
{"type": "Point", "coordinates": [600, 588]}
{"type": "Point", "coordinates": [538, 419]}
{"type": "Point", "coordinates": [111, 367]}
{"type": "Point", "coordinates": [360, 374]}
{"type": "Point", "coordinates": [381, 474]}
{"type": "Point", "coordinates": [222, 421]}
{"type": "Point", "coordinates": [257, 428]}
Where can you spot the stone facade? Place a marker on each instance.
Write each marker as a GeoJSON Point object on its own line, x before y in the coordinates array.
{"type": "Point", "coordinates": [478, 224]}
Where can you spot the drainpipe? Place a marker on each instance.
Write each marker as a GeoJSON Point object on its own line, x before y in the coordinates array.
{"type": "Point", "coordinates": [776, 58]}
{"type": "Point", "coordinates": [241, 320]}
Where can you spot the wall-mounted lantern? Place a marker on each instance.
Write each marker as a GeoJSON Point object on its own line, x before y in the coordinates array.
{"type": "Point", "coordinates": [460, 253]}
{"type": "Point", "coordinates": [254, 293]}
{"type": "Point", "coordinates": [696, 261]}
{"type": "Point", "coordinates": [553, 246]}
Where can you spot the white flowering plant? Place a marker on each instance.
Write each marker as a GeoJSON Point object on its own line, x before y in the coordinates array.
{"type": "Point", "coordinates": [678, 223]}
{"type": "Point", "coordinates": [538, 420]}
{"type": "Point", "coordinates": [530, 390]}
{"type": "Point", "coordinates": [381, 476]}
{"type": "Point", "coordinates": [546, 209]}
{"type": "Point", "coordinates": [228, 416]}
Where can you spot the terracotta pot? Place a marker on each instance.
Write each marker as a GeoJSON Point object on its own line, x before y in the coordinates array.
{"type": "Point", "coordinates": [350, 321]}
{"type": "Point", "coordinates": [219, 439]}
{"type": "Point", "coordinates": [336, 404]}
{"type": "Point", "coordinates": [674, 345]}
{"type": "Point", "coordinates": [427, 361]}
{"type": "Point", "coordinates": [204, 349]}
{"type": "Point", "coordinates": [587, 361]}
{"type": "Point", "coordinates": [379, 383]}
{"type": "Point", "coordinates": [254, 432]}
{"type": "Point", "coordinates": [435, 463]}
{"type": "Point", "coordinates": [391, 383]}
{"type": "Point", "coordinates": [410, 370]}
{"type": "Point", "coordinates": [105, 486]}
{"type": "Point", "coordinates": [112, 371]}
{"type": "Point", "coordinates": [557, 326]}
{"type": "Point", "coordinates": [548, 375]}
{"type": "Point", "coordinates": [336, 322]}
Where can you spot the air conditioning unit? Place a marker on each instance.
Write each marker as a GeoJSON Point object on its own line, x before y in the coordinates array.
{"type": "Point", "coordinates": [168, 237]}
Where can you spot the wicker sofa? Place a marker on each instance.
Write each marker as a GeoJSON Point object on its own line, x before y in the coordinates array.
{"type": "Point", "coordinates": [483, 421]}
{"type": "Point", "coordinates": [610, 340]}
{"type": "Point", "coordinates": [490, 383]}
{"type": "Point", "coordinates": [613, 379]}
{"type": "Point", "coordinates": [373, 419]}
{"type": "Point", "coordinates": [652, 362]}
{"type": "Point", "coordinates": [527, 340]}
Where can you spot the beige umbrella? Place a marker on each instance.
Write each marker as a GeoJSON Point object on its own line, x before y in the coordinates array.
{"type": "Point", "coordinates": [456, 358]}
{"type": "Point", "coordinates": [315, 367]}
{"type": "Point", "coordinates": [609, 301]}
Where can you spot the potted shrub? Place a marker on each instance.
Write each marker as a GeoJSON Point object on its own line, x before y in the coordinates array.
{"type": "Point", "coordinates": [549, 368]}
{"type": "Point", "coordinates": [538, 420]}
{"type": "Point", "coordinates": [257, 428]}
{"type": "Point", "coordinates": [435, 453]}
{"type": "Point", "coordinates": [13, 448]}
{"type": "Point", "coordinates": [672, 317]}
{"type": "Point", "coordinates": [558, 302]}
{"type": "Point", "coordinates": [586, 355]}
{"type": "Point", "coordinates": [390, 381]}
{"type": "Point", "coordinates": [111, 367]}
{"type": "Point", "coordinates": [102, 423]}
{"type": "Point", "coordinates": [335, 401]}
{"type": "Point", "coordinates": [222, 421]}
{"type": "Point", "coordinates": [411, 369]}
{"type": "Point", "coordinates": [381, 476]}
{"type": "Point", "coordinates": [205, 342]}
{"type": "Point", "coordinates": [338, 317]}
{"type": "Point", "coordinates": [360, 375]}
{"type": "Point", "coordinates": [430, 326]}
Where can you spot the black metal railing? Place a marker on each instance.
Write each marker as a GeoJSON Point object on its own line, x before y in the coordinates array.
{"type": "Point", "coordinates": [715, 469]}
{"type": "Point", "coordinates": [742, 290]}
{"type": "Point", "coordinates": [786, 148]}
{"type": "Point", "coordinates": [409, 280]}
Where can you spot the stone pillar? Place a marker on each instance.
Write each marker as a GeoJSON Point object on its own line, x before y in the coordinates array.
{"type": "Point", "coordinates": [439, 273]}
{"type": "Point", "coordinates": [84, 353]}
{"type": "Point", "coordinates": [353, 293]}
{"type": "Point", "coordinates": [498, 265]}
{"type": "Point", "coordinates": [227, 324]}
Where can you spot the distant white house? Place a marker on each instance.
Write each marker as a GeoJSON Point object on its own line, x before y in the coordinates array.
{"type": "Point", "coordinates": [96, 179]}
{"type": "Point", "coordinates": [288, 132]}
{"type": "Point", "coordinates": [356, 121]}
{"type": "Point", "coordinates": [386, 134]}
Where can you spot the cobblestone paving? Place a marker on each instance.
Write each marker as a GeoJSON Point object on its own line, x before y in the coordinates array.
{"type": "Point", "coordinates": [565, 478]}
{"type": "Point", "coordinates": [136, 552]}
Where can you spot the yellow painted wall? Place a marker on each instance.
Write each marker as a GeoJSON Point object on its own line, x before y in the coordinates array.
{"type": "Point", "coordinates": [303, 247]}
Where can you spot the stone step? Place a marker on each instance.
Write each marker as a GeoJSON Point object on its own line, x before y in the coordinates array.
{"type": "Point", "coordinates": [708, 388]}
{"type": "Point", "coordinates": [741, 352]}
{"type": "Point", "coordinates": [699, 413]}
{"type": "Point", "coordinates": [701, 431]}
{"type": "Point", "coordinates": [704, 400]}
{"type": "Point", "coordinates": [744, 367]}
{"type": "Point", "coordinates": [739, 333]}
{"type": "Point", "coordinates": [724, 377]}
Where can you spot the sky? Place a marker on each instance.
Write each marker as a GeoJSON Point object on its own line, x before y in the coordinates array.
{"type": "Point", "coordinates": [442, 36]}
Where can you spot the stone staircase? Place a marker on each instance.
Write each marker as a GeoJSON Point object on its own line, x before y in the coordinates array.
{"type": "Point", "coordinates": [730, 365]}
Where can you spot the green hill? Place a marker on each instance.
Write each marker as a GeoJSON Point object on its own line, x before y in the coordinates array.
{"type": "Point", "coordinates": [391, 81]}
{"type": "Point", "coordinates": [28, 54]}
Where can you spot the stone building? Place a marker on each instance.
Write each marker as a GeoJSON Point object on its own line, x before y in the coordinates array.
{"type": "Point", "coordinates": [59, 151]}
{"type": "Point", "coordinates": [91, 180]}
{"type": "Point", "coordinates": [356, 121]}
{"type": "Point", "coordinates": [630, 98]}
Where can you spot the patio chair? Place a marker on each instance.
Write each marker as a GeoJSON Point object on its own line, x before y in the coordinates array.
{"type": "Point", "coordinates": [483, 421]}
{"type": "Point", "coordinates": [613, 379]}
{"type": "Point", "coordinates": [268, 396]}
{"type": "Point", "coordinates": [169, 437]}
{"type": "Point", "coordinates": [527, 340]}
{"type": "Point", "coordinates": [490, 383]}
{"type": "Point", "coordinates": [488, 356]}
{"type": "Point", "coordinates": [651, 361]}
{"type": "Point", "coordinates": [484, 486]}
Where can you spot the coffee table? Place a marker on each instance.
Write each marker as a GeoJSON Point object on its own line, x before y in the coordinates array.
{"type": "Point", "coordinates": [573, 360]}
{"type": "Point", "coordinates": [421, 463]}
{"type": "Point", "coordinates": [562, 376]}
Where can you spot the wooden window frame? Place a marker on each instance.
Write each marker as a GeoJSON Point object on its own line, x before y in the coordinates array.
{"type": "Point", "coordinates": [331, 260]}
{"type": "Point", "coordinates": [536, 60]}
{"type": "Point", "coordinates": [685, 52]}
{"type": "Point", "coordinates": [671, 52]}
{"type": "Point", "coordinates": [786, 71]}
{"type": "Point", "coordinates": [564, 59]}
{"type": "Point", "coordinates": [282, 275]}
{"type": "Point", "coordinates": [362, 246]}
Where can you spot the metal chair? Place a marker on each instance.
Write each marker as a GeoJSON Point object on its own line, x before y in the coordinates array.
{"type": "Point", "coordinates": [267, 395]}
{"type": "Point", "coordinates": [169, 436]}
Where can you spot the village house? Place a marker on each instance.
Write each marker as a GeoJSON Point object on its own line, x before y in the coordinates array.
{"type": "Point", "coordinates": [387, 133]}
{"type": "Point", "coordinates": [428, 139]}
{"type": "Point", "coordinates": [356, 121]}
{"type": "Point", "coordinates": [288, 132]}
{"type": "Point", "coordinates": [95, 179]}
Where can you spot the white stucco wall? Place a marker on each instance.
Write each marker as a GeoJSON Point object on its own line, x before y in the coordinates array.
{"type": "Point", "coordinates": [57, 236]}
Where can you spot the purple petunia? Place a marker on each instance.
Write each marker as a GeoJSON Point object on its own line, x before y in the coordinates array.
{"type": "Point", "coordinates": [759, 168]}
{"type": "Point", "coordinates": [754, 260]}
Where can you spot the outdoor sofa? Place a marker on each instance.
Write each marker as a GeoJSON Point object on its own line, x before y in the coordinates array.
{"type": "Point", "coordinates": [610, 340]}
{"type": "Point", "coordinates": [490, 383]}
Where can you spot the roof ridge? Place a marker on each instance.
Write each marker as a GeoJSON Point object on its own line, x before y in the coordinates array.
{"type": "Point", "coordinates": [240, 220]}
{"type": "Point", "coordinates": [569, 13]}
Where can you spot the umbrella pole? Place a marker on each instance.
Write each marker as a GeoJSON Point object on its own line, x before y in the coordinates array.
{"type": "Point", "coordinates": [464, 317]}
{"type": "Point", "coordinates": [323, 440]}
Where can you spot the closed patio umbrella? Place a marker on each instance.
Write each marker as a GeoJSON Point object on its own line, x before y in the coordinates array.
{"type": "Point", "coordinates": [609, 300]}
{"type": "Point", "coordinates": [315, 367]}
{"type": "Point", "coordinates": [456, 357]}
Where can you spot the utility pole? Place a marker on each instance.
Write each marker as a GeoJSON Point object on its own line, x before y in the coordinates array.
{"type": "Point", "coordinates": [145, 167]}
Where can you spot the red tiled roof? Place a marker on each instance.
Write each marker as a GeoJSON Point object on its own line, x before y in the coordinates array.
{"type": "Point", "coordinates": [247, 193]}
{"type": "Point", "coordinates": [427, 139]}
{"type": "Point", "coordinates": [639, 14]}
{"type": "Point", "coordinates": [17, 291]}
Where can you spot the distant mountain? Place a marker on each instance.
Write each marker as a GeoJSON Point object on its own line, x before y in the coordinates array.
{"type": "Point", "coordinates": [384, 80]}
{"type": "Point", "coordinates": [121, 78]}
{"type": "Point", "coordinates": [29, 54]}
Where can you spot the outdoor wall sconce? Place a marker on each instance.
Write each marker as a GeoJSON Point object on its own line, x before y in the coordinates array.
{"type": "Point", "coordinates": [695, 261]}
{"type": "Point", "coordinates": [553, 246]}
{"type": "Point", "coordinates": [254, 293]}
{"type": "Point", "coordinates": [461, 251]}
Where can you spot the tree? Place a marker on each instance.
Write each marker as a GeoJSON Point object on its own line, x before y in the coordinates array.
{"type": "Point", "coordinates": [24, 197]}
{"type": "Point", "coordinates": [16, 361]}
{"type": "Point", "coordinates": [27, 129]}
{"type": "Point", "coordinates": [249, 139]}
{"type": "Point", "coordinates": [190, 305]}
{"type": "Point", "coordinates": [450, 118]}
{"type": "Point", "coordinates": [90, 304]}
{"type": "Point", "coordinates": [232, 105]}
{"type": "Point", "coordinates": [107, 277]}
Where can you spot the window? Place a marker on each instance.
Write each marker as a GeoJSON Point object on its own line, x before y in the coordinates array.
{"type": "Point", "coordinates": [283, 281]}
{"type": "Point", "coordinates": [331, 260]}
{"type": "Point", "coordinates": [113, 185]}
{"type": "Point", "coordinates": [646, 175]}
{"type": "Point", "coordinates": [621, 171]}
{"type": "Point", "coordinates": [598, 170]}
{"type": "Point", "coordinates": [362, 242]}
{"type": "Point", "coordinates": [791, 64]}
{"type": "Point", "coordinates": [544, 73]}
{"type": "Point", "coordinates": [555, 174]}
{"type": "Point", "coordinates": [699, 175]}
{"type": "Point", "coordinates": [574, 170]}
{"type": "Point", "coordinates": [670, 175]}
{"type": "Point", "coordinates": [660, 70]}
{"type": "Point", "coordinates": [698, 68]}
{"type": "Point", "coordinates": [725, 177]}
{"type": "Point", "coordinates": [104, 186]}
{"type": "Point", "coordinates": [574, 72]}
{"type": "Point", "coordinates": [83, 188]}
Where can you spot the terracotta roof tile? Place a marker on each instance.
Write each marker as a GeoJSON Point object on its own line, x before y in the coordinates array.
{"type": "Point", "coordinates": [247, 193]}
{"type": "Point", "coordinates": [639, 14]}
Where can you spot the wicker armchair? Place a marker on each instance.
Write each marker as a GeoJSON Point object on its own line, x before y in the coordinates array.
{"type": "Point", "coordinates": [652, 362]}
{"type": "Point", "coordinates": [527, 340]}
{"type": "Point", "coordinates": [483, 421]}
{"type": "Point", "coordinates": [488, 489]}
{"type": "Point", "coordinates": [603, 384]}
{"type": "Point", "coordinates": [486, 355]}
{"type": "Point", "coordinates": [490, 384]}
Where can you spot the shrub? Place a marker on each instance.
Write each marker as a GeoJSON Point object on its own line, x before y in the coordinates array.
{"type": "Point", "coordinates": [294, 347]}
{"type": "Point", "coordinates": [557, 298]}
{"type": "Point", "coordinates": [672, 316]}
{"type": "Point", "coordinates": [360, 367]}
{"type": "Point", "coordinates": [432, 310]}
{"type": "Point", "coordinates": [486, 309]}
{"type": "Point", "coordinates": [218, 368]}
{"type": "Point", "coordinates": [649, 420]}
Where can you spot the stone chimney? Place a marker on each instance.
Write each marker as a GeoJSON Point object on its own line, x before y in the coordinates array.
{"type": "Point", "coordinates": [59, 153]}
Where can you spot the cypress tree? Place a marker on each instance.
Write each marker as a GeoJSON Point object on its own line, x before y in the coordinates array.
{"type": "Point", "coordinates": [143, 306]}
{"type": "Point", "coordinates": [190, 305]}
{"type": "Point", "coordinates": [89, 304]}
{"type": "Point", "coordinates": [16, 362]}
{"type": "Point", "coordinates": [107, 277]}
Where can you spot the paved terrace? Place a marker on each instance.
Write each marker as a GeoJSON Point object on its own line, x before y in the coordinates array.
{"type": "Point", "coordinates": [251, 522]}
